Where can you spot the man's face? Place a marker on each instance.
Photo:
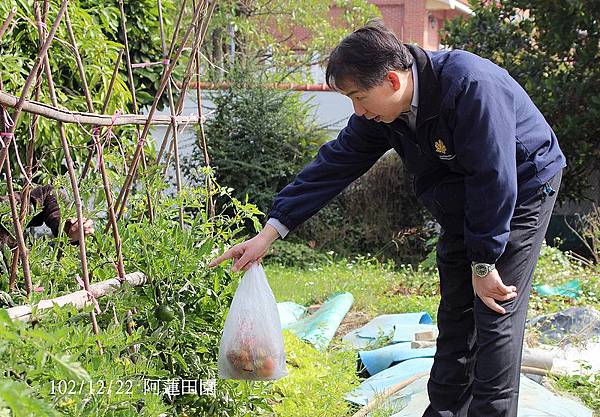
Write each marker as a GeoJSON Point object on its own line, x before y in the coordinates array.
{"type": "Point", "coordinates": [384, 102]}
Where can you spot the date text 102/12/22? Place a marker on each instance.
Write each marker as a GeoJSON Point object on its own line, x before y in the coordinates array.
{"type": "Point", "coordinates": [171, 387]}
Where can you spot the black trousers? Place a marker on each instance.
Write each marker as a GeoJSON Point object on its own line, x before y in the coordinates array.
{"type": "Point", "coordinates": [477, 364]}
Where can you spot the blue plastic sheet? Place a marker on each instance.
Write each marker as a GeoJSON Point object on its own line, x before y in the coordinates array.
{"type": "Point", "coordinates": [399, 327]}
{"type": "Point", "coordinates": [320, 327]}
{"type": "Point", "coordinates": [385, 379]}
{"type": "Point", "coordinates": [380, 359]}
{"type": "Point", "coordinates": [534, 401]}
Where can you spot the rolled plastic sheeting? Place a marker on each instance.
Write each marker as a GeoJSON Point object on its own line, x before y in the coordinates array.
{"type": "Point", "coordinates": [290, 312]}
{"type": "Point", "coordinates": [380, 359]}
{"type": "Point", "coordinates": [320, 327]}
{"type": "Point", "coordinates": [535, 400]}
{"type": "Point", "coordinates": [400, 327]}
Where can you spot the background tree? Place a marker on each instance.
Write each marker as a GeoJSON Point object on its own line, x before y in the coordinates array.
{"type": "Point", "coordinates": [283, 34]}
{"type": "Point", "coordinates": [143, 34]}
{"type": "Point", "coordinates": [552, 49]}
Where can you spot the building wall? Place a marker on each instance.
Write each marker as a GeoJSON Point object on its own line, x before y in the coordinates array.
{"type": "Point", "coordinates": [413, 22]}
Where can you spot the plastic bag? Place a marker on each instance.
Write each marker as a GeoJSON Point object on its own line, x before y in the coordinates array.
{"type": "Point", "coordinates": [252, 344]}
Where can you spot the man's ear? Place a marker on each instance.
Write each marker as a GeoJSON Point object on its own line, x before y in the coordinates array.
{"type": "Point", "coordinates": [394, 78]}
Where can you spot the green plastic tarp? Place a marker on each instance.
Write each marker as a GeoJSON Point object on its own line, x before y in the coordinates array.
{"type": "Point", "coordinates": [319, 327]}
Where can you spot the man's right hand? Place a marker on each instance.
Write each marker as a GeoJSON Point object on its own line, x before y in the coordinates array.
{"type": "Point", "coordinates": [252, 250]}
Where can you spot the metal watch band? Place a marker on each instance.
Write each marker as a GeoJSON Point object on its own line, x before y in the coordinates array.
{"type": "Point", "coordinates": [482, 269]}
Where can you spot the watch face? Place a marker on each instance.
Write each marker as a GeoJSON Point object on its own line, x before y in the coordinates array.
{"type": "Point", "coordinates": [481, 270]}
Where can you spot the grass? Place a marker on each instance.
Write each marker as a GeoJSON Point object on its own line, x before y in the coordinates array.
{"type": "Point", "coordinates": [586, 387]}
{"type": "Point", "coordinates": [377, 288]}
{"type": "Point", "coordinates": [555, 268]}
{"type": "Point", "coordinates": [317, 381]}
{"type": "Point", "coordinates": [382, 288]}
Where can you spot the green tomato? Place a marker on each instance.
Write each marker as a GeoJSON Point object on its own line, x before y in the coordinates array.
{"type": "Point", "coordinates": [164, 313]}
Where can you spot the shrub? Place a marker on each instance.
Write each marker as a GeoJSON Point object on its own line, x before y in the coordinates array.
{"type": "Point", "coordinates": [259, 138]}
{"type": "Point", "coordinates": [296, 254]}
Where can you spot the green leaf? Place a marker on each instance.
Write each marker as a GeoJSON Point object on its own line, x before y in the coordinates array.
{"type": "Point", "coordinates": [71, 369]}
{"type": "Point", "coordinates": [22, 401]}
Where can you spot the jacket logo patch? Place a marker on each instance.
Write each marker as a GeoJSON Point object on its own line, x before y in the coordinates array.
{"type": "Point", "coordinates": [440, 147]}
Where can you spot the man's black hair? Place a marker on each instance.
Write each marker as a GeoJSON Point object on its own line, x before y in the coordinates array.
{"type": "Point", "coordinates": [366, 56]}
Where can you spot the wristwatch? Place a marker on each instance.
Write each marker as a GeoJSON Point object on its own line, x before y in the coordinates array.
{"type": "Point", "coordinates": [482, 269]}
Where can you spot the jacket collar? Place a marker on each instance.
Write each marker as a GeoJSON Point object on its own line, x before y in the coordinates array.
{"type": "Point", "coordinates": [428, 91]}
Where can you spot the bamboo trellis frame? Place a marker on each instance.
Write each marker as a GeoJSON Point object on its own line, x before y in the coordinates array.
{"type": "Point", "coordinates": [202, 13]}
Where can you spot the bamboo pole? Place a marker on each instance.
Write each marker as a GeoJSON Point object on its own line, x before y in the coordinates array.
{"type": "Point", "coordinates": [135, 106]}
{"type": "Point", "coordinates": [84, 84]}
{"type": "Point", "coordinates": [18, 105]}
{"type": "Point", "coordinates": [79, 299]}
{"type": "Point", "coordinates": [22, 249]}
{"type": "Point", "coordinates": [203, 142]}
{"type": "Point", "coordinates": [174, 39]}
{"type": "Point", "coordinates": [171, 108]}
{"type": "Point", "coordinates": [23, 252]}
{"type": "Point", "coordinates": [122, 200]}
{"type": "Point", "coordinates": [25, 193]}
{"type": "Point", "coordinates": [188, 72]}
{"type": "Point", "coordinates": [202, 138]}
{"type": "Point", "coordinates": [73, 179]}
{"type": "Point", "coordinates": [111, 210]}
{"type": "Point", "coordinates": [7, 21]}
{"type": "Point", "coordinates": [111, 85]}
{"type": "Point", "coordinates": [95, 136]}
{"type": "Point", "coordinates": [67, 116]}
{"type": "Point", "coordinates": [380, 399]}
{"type": "Point", "coordinates": [113, 78]}
{"type": "Point", "coordinates": [187, 77]}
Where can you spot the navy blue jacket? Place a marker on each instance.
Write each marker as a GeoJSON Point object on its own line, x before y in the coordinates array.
{"type": "Point", "coordinates": [481, 147]}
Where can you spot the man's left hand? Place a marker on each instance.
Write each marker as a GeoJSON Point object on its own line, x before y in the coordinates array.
{"type": "Point", "coordinates": [491, 289]}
